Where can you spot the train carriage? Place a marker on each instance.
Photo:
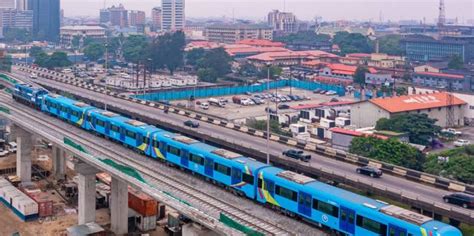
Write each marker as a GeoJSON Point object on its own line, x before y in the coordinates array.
{"type": "Point", "coordinates": [67, 109]}
{"type": "Point", "coordinates": [340, 210]}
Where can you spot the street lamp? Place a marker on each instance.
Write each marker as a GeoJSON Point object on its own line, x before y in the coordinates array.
{"type": "Point", "coordinates": [268, 115]}
{"type": "Point", "coordinates": [106, 68]}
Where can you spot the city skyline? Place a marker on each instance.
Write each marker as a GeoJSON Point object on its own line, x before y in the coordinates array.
{"type": "Point", "coordinates": [372, 10]}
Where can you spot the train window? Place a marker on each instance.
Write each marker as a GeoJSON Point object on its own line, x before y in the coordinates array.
{"type": "Point", "coordinates": [270, 186]}
{"type": "Point", "coordinates": [286, 193]}
{"type": "Point", "coordinates": [114, 128]}
{"type": "Point", "coordinates": [371, 225]}
{"type": "Point", "coordinates": [75, 113]}
{"type": "Point", "coordinates": [130, 134]}
{"type": "Point", "coordinates": [222, 169]}
{"type": "Point", "coordinates": [145, 140]}
{"type": "Point", "coordinates": [247, 178]}
{"type": "Point", "coordinates": [260, 183]}
{"type": "Point", "coordinates": [100, 123]}
{"type": "Point", "coordinates": [305, 200]}
{"type": "Point", "coordinates": [236, 174]}
{"type": "Point", "coordinates": [155, 144]}
{"type": "Point", "coordinates": [196, 159]}
{"type": "Point", "coordinates": [326, 208]}
{"type": "Point", "coordinates": [393, 232]}
{"type": "Point", "coordinates": [174, 151]}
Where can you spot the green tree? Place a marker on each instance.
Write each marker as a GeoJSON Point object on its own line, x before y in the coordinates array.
{"type": "Point", "coordinates": [460, 165]}
{"type": "Point", "coordinates": [6, 63]}
{"type": "Point", "coordinates": [57, 59]}
{"type": "Point", "coordinates": [216, 59]}
{"type": "Point", "coordinates": [390, 44]}
{"type": "Point", "coordinates": [262, 125]}
{"type": "Point", "coordinates": [94, 51]}
{"type": "Point", "coordinates": [207, 75]}
{"type": "Point", "coordinates": [194, 55]}
{"type": "Point", "coordinates": [173, 48]}
{"type": "Point", "coordinates": [76, 41]}
{"type": "Point", "coordinates": [352, 43]}
{"type": "Point", "coordinates": [359, 76]}
{"type": "Point", "coordinates": [304, 37]}
{"type": "Point", "coordinates": [134, 48]}
{"type": "Point", "coordinates": [390, 151]}
{"type": "Point", "coordinates": [35, 51]}
{"type": "Point", "coordinates": [456, 62]}
{"type": "Point", "coordinates": [248, 69]}
{"type": "Point", "coordinates": [406, 77]}
{"type": "Point", "coordinates": [275, 72]}
{"type": "Point", "coordinates": [420, 128]}
{"type": "Point", "coordinates": [15, 34]}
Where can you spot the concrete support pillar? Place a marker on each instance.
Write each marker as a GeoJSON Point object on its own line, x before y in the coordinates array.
{"type": "Point", "coordinates": [86, 191]}
{"type": "Point", "coordinates": [23, 154]}
{"type": "Point", "coordinates": [59, 162]}
{"type": "Point", "coordinates": [119, 207]}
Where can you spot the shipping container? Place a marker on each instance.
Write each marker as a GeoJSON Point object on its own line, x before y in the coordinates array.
{"type": "Point", "coordinates": [142, 203]}
{"type": "Point", "coordinates": [25, 207]}
{"type": "Point", "coordinates": [145, 223]}
{"type": "Point", "coordinates": [45, 204]}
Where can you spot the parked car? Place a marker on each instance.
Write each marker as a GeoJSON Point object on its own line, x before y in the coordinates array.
{"type": "Point", "coordinates": [297, 154]}
{"type": "Point", "coordinates": [461, 143]}
{"type": "Point", "coordinates": [331, 93]}
{"type": "Point", "coordinates": [3, 152]}
{"type": "Point", "coordinates": [283, 106]}
{"type": "Point", "coordinates": [317, 90]}
{"type": "Point", "coordinates": [12, 147]}
{"type": "Point", "coordinates": [204, 105]}
{"type": "Point", "coordinates": [322, 91]}
{"type": "Point", "coordinates": [191, 123]}
{"type": "Point", "coordinates": [257, 101]}
{"type": "Point", "coordinates": [370, 171]}
{"type": "Point", "coordinates": [452, 131]}
{"type": "Point", "coordinates": [460, 199]}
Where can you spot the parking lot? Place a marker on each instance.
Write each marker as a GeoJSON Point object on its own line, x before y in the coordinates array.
{"type": "Point", "coordinates": [239, 112]}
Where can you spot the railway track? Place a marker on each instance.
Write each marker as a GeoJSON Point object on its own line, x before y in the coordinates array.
{"type": "Point", "coordinates": [154, 174]}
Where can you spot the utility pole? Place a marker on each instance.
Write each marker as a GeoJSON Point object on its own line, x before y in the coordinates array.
{"type": "Point", "coordinates": [268, 116]}
{"type": "Point", "coordinates": [106, 66]}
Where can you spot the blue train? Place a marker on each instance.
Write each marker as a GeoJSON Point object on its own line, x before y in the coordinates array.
{"type": "Point", "coordinates": [341, 211]}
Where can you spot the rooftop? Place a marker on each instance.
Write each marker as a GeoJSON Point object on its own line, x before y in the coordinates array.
{"type": "Point", "coordinates": [442, 75]}
{"type": "Point", "coordinates": [82, 27]}
{"type": "Point", "coordinates": [271, 56]}
{"type": "Point", "coordinates": [261, 43]}
{"type": "Point", "coordinates": [416, 102]}
{"type": "Point", "coordinates": [252, 49]}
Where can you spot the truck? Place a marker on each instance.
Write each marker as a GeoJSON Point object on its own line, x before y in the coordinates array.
{"type": "Point", "coordinates": [216, 102]}
{"type": "Point", "coordinates": [297, 154]}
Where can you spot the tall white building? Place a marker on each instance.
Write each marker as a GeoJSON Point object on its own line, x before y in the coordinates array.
{"type": "Point", "coordinates": [283, 21]}
{"type": "Point", "coordinates": [7, 4]}
{"type": "Point", "coordinates": [22, 5]}
{"type": "Point", "coordinates": [173, 17]}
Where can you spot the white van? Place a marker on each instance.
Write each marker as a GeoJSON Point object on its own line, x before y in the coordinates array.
{"type": "Point", "coordinates": [67, 71]}
{"type": "Point", "coordinates": [12, 147]}
{"type": "Point", "coordinates": [205, 105]}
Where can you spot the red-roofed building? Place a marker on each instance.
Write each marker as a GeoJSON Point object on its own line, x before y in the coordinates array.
{"type": "Point", "coordinates": [202, 44]}
{"type": "Point", "coordinates": [288, 58]}
{"type": "Point", "coordinates": [440, 80]}
{"type": "Point", "coordinates": [435, 105]}
{"type": "Point", "coordinates": [341, 138]}
{"type": "Point", "coordinates": [246, 50]}
{"type": "Point", "coordinates": [261, 43]}
{"type": "Point", "coordinates": [341, 71]}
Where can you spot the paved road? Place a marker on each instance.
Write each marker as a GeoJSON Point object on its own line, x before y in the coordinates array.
{"type": "Point", "coordinates": [409, 188]}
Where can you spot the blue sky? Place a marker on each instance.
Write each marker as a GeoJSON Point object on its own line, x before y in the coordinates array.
{"type": "Point", "coordinates": [304, 9]}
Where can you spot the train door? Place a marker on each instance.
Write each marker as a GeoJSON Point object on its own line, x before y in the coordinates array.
{"type": "Point", "coordinates": [68, 113]}
{"type": "Point", "coordinates": [209, 166]}
{"type": "Point", "coordinates": [138, 139]}
{"type": "Point", "coordinates": [236, 176]}
{"type": "Point", "coordinates": [184, 157]}
{"type": "Point", "coordinates": [347, 220]}
{"type": "Point", "coordinates": [304, 203]}
{"type": "Point", "coordinates": [107, 128]}
{"type": "Point", "coordinates": [396, 231]}
{"type": "Point", "coordinates": [163, 148]}
{"type": "Point", "coordinates": [122, 134]}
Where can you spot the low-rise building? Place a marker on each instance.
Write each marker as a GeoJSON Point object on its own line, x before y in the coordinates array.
{"type": "Point", "coordinates": [435, 105]}
{"type": "Point", "coordinates": [288, 58]}
{"type": "Point", "coordinates": [378, 79]}
{"type": "Point", "coordinates": [84, 31]}
{"type": "Point", "coordinates": [233, 33]}
{"type": "Point", "coordinates": [440, 81]}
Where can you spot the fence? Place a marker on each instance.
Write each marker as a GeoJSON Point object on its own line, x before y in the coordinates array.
{"type": "Point", "coordinates": [226, 91]}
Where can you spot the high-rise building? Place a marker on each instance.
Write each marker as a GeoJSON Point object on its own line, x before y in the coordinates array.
{"type": "Point", "coordinates": [428, 49]}
{"type": "Point", "coordinates": [22, 5]}
{"type": "Point", "coordinates": [136, 18]}
{"type": "Point", "coordinates": [173, 15]}
{"type": "Point", "coordinates": [46, 19]}
{"type": "Point", "coordinates": [7, 4]}
{"type": "Point", "coordinates": [118, 16]}
{"type": "Point", "coordinates": [104, 16]}
{"type": "Point", "coordinates": [12, 18]}
{"type": "Point", "coordinates": [156, 16]}
{"type": "Point", "coordinates": [283, 21]}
